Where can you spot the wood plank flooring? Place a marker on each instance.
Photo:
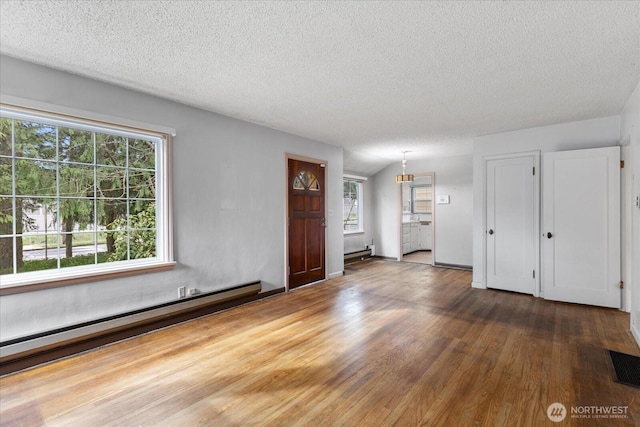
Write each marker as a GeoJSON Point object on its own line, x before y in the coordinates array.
{"type": "Point", "coordinates": [387, 344]}
{"type": "Point", "coordinates": [420, 257]}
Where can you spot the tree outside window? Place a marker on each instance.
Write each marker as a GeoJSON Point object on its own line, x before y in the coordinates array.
{"type": "Point", "coordinates": [352, 206]}
{"type": "Point", "coordinates": [72, 196]}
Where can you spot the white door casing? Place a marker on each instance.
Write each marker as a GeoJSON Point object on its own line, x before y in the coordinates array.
{"type": "Point", "coordinates": [512, 222]}
{"type": "Point", "coordinates": [635, 245]}
{"type": "Point", "coordinates": [581, 226]}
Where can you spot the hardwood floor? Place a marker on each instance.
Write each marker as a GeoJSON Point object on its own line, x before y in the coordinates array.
{"type": "Point", "coordinates": [420, 257]}
{"type": "Point", "coordinates": [388, 344]}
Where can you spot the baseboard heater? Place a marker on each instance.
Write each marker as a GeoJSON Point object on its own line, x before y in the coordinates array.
{"type": "Point", "coordinates": [358, 255]}
{"type": "Point", "coordinates": [31, 344]}
{"type": "Point", "coordinates": [456, 266]}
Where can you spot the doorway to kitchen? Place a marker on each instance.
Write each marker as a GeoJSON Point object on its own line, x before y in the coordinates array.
{"type": "Point", "coordinates": [418, 220]}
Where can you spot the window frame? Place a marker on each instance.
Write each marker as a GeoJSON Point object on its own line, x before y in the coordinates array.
{"type": "Point", "coordinates": [414, 198]}
{"type": "Point", "coordinates": [360, 186]}
{"type": "Point", "coordinates": [21, 109]}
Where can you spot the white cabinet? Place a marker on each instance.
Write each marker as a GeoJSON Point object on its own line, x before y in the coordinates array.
{"type": "Point", "coordinates": [429, 237]}
{"type": "Point", "coordinates": [410, 237]}
{"type": "Point", "coordinates": [414, 237]}
{"type": "Point", "coordinates": [424, 237]}
{"type": "Point", "coordinates": [406, 238]}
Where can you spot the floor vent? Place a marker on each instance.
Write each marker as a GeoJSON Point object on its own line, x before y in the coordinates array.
{"type": "Point", "coordinates": [626, 368]}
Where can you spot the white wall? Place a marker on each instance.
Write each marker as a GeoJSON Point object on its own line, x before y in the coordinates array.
{"type": "Point", "coordinates": [584, 134]}
{"type": "Point", "coordinates": [453, 222]}
{"type": "Point", "coordinates": [215, 246]}
{"type": "Point", "coordinates": [630, 136]}
{"type": "Point", "coordinates": [359, 241]}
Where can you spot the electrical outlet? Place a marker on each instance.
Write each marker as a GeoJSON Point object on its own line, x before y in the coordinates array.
{"type": "Point", "coordinates": [182, 292]}
{"type": "Point", "coordinates": [193, 291]}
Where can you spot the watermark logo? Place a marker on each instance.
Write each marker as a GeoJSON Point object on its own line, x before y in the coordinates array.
{"type": "Point", "coordinates": [556, 412]}
{"type": "Point", "coordinates": [594, 411]}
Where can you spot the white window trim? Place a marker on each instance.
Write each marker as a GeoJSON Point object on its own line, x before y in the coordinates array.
{"type": "Point", "coordinates": [360, 180]}
{"type": "Point", "coordinates": [354, 177]}
{"type": "Point", "coordinates": [413, 199]}
{"type": "Point", "coordinates": [50, 113]}
{"type": "Point", "coordinates": [72, 114]}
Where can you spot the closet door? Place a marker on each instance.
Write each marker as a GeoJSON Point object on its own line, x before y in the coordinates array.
{"type": "Point", "coordinates": [581, 226]}
{"type": "Point", "coordinates": [512, 223]}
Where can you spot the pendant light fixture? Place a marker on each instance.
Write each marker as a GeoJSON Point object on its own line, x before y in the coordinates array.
{"type": "Point", "coordinates": [404, 177]}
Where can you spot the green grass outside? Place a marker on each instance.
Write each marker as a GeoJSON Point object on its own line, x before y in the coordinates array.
{"type": "Point", "coordinates": [79, 239]}
{"type": "Point", "coordinates": [52, 264]}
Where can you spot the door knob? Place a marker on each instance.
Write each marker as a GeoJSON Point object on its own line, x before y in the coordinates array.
{"type": "Point", "coordinates": [549, 235]}
{"type": "Point", "coordinates": [323, 223]}
{"type": "Point", "coordinates": [490, 231]}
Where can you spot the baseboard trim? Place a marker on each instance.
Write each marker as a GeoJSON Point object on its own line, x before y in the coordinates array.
{"type": "Point", "coordinates": [478, 285]}
{"type": "Point", "coordinates": [636, 334]}
{"type": "Point", "coordinates": [109, 337]}
{"type": "Point", "coordinates": [336, 274]}
{"type": "Point", "coordinates": [457, 266]}
{"type": "Point", "coordinates": [130, 318]}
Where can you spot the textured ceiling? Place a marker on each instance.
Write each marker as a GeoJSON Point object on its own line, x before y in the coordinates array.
{"type": "Point", "coordinates": [377, 78]}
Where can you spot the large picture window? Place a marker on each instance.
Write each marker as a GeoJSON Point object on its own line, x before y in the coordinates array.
{"type": "Point", "coordinates": [78, 198]}
{"type": "Point", "coordinates": [352, 206]}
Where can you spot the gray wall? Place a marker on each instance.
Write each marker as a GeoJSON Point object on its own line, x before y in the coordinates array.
{"type": "Point", "coordinates": [452, 232]}
{"type": "Point", "coordinates": [216, 244]}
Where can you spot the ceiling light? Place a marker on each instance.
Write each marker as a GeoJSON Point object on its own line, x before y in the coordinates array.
{"type": "Point", "coordinates": [404, 177]}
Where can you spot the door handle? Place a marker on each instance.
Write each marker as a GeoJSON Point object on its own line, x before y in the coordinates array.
{"type": "Point", "coordinates": [323, 223]}
{"type": "Point", "coordinates": [491, 231]}
{"type": "Point", "coordinates": [549, 235]}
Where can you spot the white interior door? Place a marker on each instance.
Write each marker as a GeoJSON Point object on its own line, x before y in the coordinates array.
{"type": "Point", "coordinates": [581, 226]}
{"type": "Point", "coordinates": [635, 245]}
{"type": "Point", "coordinates": [512, 223]}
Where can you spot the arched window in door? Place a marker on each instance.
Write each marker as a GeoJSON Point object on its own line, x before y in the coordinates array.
{"type": "Point", "coordinates": [306, 180]}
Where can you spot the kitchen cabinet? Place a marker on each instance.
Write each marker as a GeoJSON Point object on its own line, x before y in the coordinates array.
{"type": "Point", "coordinates": [406, 238]}
{"type": "Point", "coordinates": [414, 236]}
{"type": "Point", "coordinates": [410, 237]}
{"type": "Point", "coordinates": [424, 237]}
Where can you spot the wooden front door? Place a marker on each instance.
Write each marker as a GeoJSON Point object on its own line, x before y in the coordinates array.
{"type": "Point", "coordinates": [306, 222]}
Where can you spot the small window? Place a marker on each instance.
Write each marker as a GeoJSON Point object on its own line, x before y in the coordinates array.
{"type": "Point", "coordinates": [78, 198]}
{"type": "Point", "coordinates": [421, 199]}
{"type": "Point", "coordinates": [352, 206]}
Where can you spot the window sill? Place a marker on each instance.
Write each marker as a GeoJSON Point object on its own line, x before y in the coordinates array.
{"type": "Point", "coordinates": [28, 282]}
{"type": "Point", "coordinates": [353, 233]}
